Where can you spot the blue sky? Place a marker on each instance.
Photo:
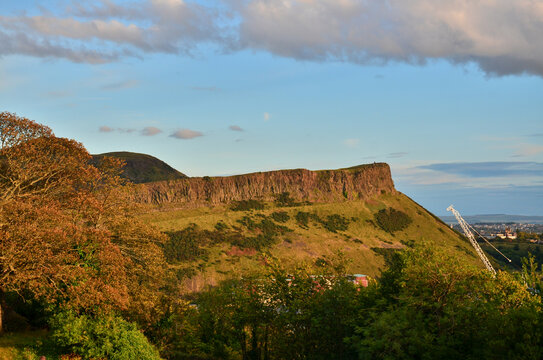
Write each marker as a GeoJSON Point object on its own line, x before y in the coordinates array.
{"type": "Point", "coordinates": [451, 96]}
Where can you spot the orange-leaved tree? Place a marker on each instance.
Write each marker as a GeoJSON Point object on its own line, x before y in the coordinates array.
{"type": "Point", "coordinates": [67, 234]}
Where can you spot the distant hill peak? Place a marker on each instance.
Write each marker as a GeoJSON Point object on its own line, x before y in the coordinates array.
{"type": "Point", "coordinates": [142, 168]}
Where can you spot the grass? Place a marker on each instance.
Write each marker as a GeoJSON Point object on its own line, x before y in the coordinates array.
{"type": "Point", "coordinates": [355, 236]}
{"type": "Point", "coordinates": [28, 345]}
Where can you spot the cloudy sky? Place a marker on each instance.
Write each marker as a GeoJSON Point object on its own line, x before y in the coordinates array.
{"type": "Point", "coordinates": [449, 93]}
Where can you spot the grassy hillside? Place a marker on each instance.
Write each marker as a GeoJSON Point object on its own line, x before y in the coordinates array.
{"type": "Point", "coordinates": [215, 243]}
{"type": "Point", "coordinates": [142, 168]}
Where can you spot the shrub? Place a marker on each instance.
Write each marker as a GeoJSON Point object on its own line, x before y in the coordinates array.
{"type": "Point", "coordinates": [107, 337]}
{"type": "Point", "coordinates": [335, 223]}
{"type": "Point", "coordinates": [285, 200]}
{"type": "Point", "coordinates": [184, 245]}
{"type": "Point", "coordinates": [246, 205]}
{"type": "Point", "coordinates": [280, 216]}
{"type": "Point", "coordinates": [392, 220]}
{"type": "Point", "coordinates": [303, 218]}
{"type": "Point", "coordinates": [248, 222]}
{"type": "Point", "coordinates": [267, 237]}
{"type": "Point", "coordinates": [258, 242]}
{"type": "Point", "coordinates": [221, 226]}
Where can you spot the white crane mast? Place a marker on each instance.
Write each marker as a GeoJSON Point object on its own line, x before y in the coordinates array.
{"type": "Point", "coordinates": [464, 225]}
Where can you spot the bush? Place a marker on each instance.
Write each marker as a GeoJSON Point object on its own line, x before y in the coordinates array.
{"type": "Point", "coordinates": [284, 200]}
{"type": "Point", "coordinates": [221, 226]}
{"type": "Point", "coordinates": [269, 231]}
{"type": "Point", "coordinates": [107, 337]}
{"type": "Point", "coordinates": [184, 245]}
{"type": "Point", "coordinates": [392, 220]}
{"type": "Point", "coordinates": [246, 205]}
{"type": "Point", "coordinates": [335, 223]}
{"type": "Point", "coordinates": [280, 216]}
{"type": "Point", "coordinates": [303, 218]}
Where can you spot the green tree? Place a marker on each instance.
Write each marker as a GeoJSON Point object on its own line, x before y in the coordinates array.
{"type": "Point", "coordinates": [441, 307]}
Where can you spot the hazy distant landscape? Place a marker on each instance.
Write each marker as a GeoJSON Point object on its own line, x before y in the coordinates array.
{"type": "Point", "coordinates": [496, 218]}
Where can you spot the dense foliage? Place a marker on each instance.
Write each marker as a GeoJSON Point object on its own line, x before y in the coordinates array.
{"type": "Point", "coordinates": [106, 337]}
{"type": "Point", "coordinates": [426, 305]}
{"type": "Point", "coordinates": [280, 216]}
{"type": "Point", "coordinates": [332, 223]}
{"type": "Point", "coordinates": [392, 220]}
{"type": "Point", "coordinates": [335, 223]}
{"type": "Point", "coordinates": [246, 205]}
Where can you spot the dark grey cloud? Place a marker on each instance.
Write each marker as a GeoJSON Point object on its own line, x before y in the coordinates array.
{"type": "Point", "coordinates": [488, 169]}
{"type": "Point", "coordinates": [150, 131]}
{"type": "Point", "coordinates": [235, 128]}
{"type": "Point", "coordinates": [185, 134]}
{"type": "Point", "coordinates": [537, 135]}
{"type": "Point", "coordinates": [361, 32]}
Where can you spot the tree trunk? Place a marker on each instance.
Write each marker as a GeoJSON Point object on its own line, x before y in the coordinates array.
{"type": "Point", "coordinates": [1, 318]}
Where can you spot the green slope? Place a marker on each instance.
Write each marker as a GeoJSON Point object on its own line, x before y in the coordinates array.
{"type": "Point", "coordinates": [362, 242]}
{"type": "Point", "coordinates": [142, 168]}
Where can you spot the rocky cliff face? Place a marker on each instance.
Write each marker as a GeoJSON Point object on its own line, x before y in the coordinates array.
{"type": "Point", "coordinates": [358, 182]}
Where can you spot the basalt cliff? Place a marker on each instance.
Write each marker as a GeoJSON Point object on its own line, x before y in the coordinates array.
{"type": "Point", "coordinates": [359, 182]}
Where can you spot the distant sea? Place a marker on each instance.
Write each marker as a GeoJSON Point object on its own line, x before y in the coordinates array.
{"type": "Point", "coordinates": [496, 218]}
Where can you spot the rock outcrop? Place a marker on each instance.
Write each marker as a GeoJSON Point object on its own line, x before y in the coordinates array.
{"type": "Point", "coordinates": [358, 182]}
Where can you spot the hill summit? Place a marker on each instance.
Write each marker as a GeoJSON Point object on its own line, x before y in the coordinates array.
{"type": "Point", "coordinates": [143, 168]}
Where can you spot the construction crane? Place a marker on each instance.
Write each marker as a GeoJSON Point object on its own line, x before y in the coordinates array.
{"type": "Point", "coordinates": [466, 228]}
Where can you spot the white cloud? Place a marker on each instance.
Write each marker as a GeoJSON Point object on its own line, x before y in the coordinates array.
{"type": "Point", "coordinates": [126, 84]}
{"type": "Point", "coordinates": [396, 155]}
{"type": "Point", "coordinates": [502, 36]}
{"type": "Point", "coordinates": [106, 129]}
{"type": "Point", "coordinates": [150, 131]}
{"type": "Point", "coordinates": [105, 30]}
{"type": "Point", "coordinates": [267, 116]}
{"type": "Point", "coordinates": [126, 130]}
{"type": "Point", "coordinates": [471, 175]}
{"type": "Point", "coordinates": [525, 150]}
{"type": "Point", "coordinates": [411, 31]}
{"type": "Point", "coordinates": [352, 143]}
{"type": "Point", "coordinates": [186, 134]}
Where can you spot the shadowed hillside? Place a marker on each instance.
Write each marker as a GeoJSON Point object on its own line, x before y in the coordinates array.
{"type": "Point", "coordinates": [142, 168]}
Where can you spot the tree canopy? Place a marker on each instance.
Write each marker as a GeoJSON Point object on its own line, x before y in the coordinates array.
{"type": "Point", "coordinates": [67, 232]}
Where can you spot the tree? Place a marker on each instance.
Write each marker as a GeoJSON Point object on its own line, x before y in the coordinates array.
{"type": "Point", "coordinates": [442, 308]}
{"type": "Point", "coordinates": [67, 236]}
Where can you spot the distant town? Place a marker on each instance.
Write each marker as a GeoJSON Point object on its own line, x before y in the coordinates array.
{"type": "Point", "coordinates": [508, 231]}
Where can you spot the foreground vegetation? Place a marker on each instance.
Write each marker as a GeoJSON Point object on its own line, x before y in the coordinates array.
{"type": "Point", "coordinates": [84, 277]}
{"type": "Point", "coordinates": [426, 305]}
